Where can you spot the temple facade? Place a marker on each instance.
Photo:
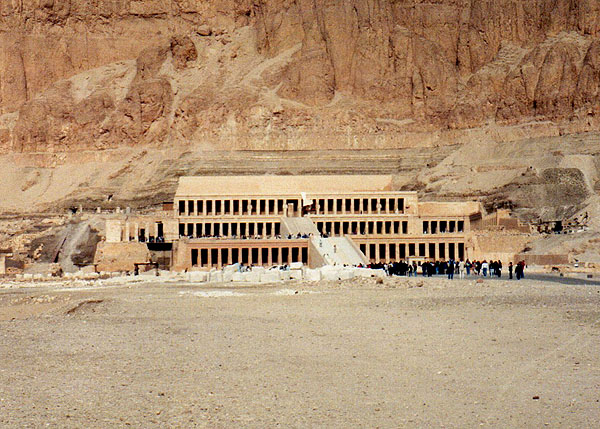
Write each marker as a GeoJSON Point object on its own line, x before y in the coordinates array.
{"type": "Point", "coordinates": [275, 220]}
{"type": "Point", "coordinates": [317, 220]}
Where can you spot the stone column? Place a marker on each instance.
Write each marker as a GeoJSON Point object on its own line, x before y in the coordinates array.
{"type": "Point", "coordinates": [127, 232]}
{"type": "Point", "coordinates": [2, 264]}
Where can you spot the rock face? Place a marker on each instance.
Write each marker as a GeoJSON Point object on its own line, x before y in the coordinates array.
{"type": "Point", "coordinates": [273, 74]}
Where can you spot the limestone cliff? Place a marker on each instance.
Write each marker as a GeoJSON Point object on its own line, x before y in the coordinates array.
{"type": "Point", "coordinates": [290, 74]}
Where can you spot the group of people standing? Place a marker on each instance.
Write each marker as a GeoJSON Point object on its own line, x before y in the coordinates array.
{"type": "Point", "coordinates": [451, 267]}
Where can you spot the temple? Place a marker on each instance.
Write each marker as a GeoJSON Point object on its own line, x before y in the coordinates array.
{"type": "Point", "coordinates": [317, 220]}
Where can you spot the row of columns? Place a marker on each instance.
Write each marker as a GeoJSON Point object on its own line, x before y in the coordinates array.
{"type": "Point", "coordinates": [274, 206]}
{"type": "Point", "coordinates": [132, 230]}
{"type": "Point", "coordinates": [229, 229]}
{"type": "Point", "coordinates": [253, 207]}
{"type": "Point", "coordinates": [448, 226]}
{"type": "Point", "coordinates": [264, 255]}
{"type": "Point", "coordinates": [363, 228]}
{"type": "Point", "coordinates": [398, 251]}
{"type": "Point", "coordinates": [360, 206]}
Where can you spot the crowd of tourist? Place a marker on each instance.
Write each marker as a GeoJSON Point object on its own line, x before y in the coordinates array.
{"type": "Point", "coordinates": [450, 268]}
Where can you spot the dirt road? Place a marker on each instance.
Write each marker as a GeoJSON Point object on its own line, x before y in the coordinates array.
{"type": "Point", "coordinates": [424, 353]}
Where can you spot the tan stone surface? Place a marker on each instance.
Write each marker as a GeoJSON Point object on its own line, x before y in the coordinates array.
{"type": "Point", "coordinates": [277, 75]}
{"type": "Point", "coordinates": [120, 256]}
{"type": "Point", "coordinates": [280, 185]}
{"type": "Point", "coordinates": [455, 208]}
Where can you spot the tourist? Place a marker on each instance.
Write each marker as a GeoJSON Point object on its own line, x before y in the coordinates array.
{"type": "Point", "coordinates": [499, 268]}
{"type": "Point", "coordinates": [510, 270]}
{"type": "Point", "coordinates": [468, 266]}
{"type": "Point", "coordinates": [450, 270]}
{"type": "Point", "coordinates": [461, 269]}
{"type": "Point", "coordinates": [484, 268]}
{"type": "Point", "coordinates": [518, 271]}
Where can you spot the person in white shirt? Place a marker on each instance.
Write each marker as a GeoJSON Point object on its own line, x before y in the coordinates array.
{"type": "Point", "coordinates": [484, 268]}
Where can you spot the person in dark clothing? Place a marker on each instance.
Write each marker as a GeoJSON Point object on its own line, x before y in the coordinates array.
{"type": "Point", "coordinates": [510, 270]}
{"type": "Point", "coordinates": [450, 270]}
{"type": "Point", "coordinates": [519, 271]}
{"type": "Point", "coordinates": [499, 268]}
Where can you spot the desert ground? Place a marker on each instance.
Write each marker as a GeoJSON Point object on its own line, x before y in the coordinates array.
{"type": "Point", "coordinates": [402, 353]}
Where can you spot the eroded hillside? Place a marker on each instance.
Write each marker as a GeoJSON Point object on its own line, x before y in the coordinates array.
{"type": "Point", "coordinates": [293, 74]}
{"type": "Point", "coordinates": [107, 103]}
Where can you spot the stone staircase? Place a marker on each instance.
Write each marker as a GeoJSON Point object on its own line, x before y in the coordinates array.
{"type": "Point", "coordinates": [298, 225]}
{"type": "Point", "coordinates": [339, 251]}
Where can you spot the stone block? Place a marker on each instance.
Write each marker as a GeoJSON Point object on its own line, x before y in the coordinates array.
{"type": "Point", "coordinates": [252, 276]}
{"type": "Point", "coordinates": [258, 269]}
{"type": "Point", "coordinates": [330, 274]}
{"type": "Point", "coordinates": [295, 274]}
{"type": "Point", "coordinates": [197, 276]}
{"type": "Point", "coordinates": [238, 277]}
{"type": "Point", "coordinates": [228, 276]}
{"type": "Point", "coordinates": [231, 268]}
{"type": "Point", "coordinates": [216, 277]}
{"type": "Point", "coordinates": [270, 277]}
{"type": "Point", "coordinates": [284, 275]}
{"type": "Point", "coordinates": [312, 275]}
{"type": "Point", "coordinates": [296, 265]}
{"type": "Point", "coordinates": [346, 274]}
{"type": "Point", "coordinates": [366, 272]}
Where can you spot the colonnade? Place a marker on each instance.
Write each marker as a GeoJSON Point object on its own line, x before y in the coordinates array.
{"type": "Point", "coordinates": [443, 226]}
{"type": "Point", "coordinates": [136, 231]}
{"type": "Point", "coordinates": [395, 251]}
{"type": "Point", "coordinates": [354, 205]}
{"type": "Point", "coordinates": [239, 207]}
{"type": "Point", "coordinates": [289, 206]}
{"type": "Point", "coordinates": [229, 229]}
{"type": "Point", "coordinates": [248, 255]}
{"type": "Point", "coordinates": [339, 228]}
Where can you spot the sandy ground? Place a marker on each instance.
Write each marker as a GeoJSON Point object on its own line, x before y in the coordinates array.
{"type": "Point", "coordinates": [426, 353]}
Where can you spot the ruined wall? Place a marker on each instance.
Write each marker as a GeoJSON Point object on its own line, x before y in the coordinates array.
{"type": "Point", "coordinates": [113, 257]}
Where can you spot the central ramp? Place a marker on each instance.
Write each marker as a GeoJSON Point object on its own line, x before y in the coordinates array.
{"type": "Point", "coordinates": [298, 225]}
{"type": "Point", "coordinates": [338, 251]}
